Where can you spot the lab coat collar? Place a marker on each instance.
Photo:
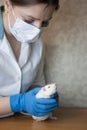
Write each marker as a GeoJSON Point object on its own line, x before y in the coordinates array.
{"type": "Point", "coordinates": [1, 23]}
{"type": "Point", "coordinates": [4, 45]}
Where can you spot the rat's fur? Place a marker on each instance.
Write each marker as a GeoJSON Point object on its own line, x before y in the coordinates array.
{"type": "Point", "coordinates": [45, 92]}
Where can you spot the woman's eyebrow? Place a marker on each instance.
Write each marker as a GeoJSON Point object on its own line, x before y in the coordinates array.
{"type": "Point", "coordinates": [38, 18]}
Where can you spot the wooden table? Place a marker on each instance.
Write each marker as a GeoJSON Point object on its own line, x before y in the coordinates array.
{"type": "Point", "coordinates": [68, 119]}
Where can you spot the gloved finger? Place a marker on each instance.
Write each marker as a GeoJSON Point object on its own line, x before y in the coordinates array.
{"type": "Point", "coordinates": [45, 108]}
{"type": "Point", "coordinates": [55, 95]}
{"type": "Point", "coordinates": [46, 101]}
{"type": "Point", "coordinates": [42, 113]}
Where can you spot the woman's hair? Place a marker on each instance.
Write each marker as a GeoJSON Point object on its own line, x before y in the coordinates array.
{"type": "Point", "coordinates": [33, 2]}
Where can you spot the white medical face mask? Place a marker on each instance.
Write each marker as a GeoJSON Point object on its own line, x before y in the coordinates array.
{"type": "Point", "coordinates": [23, 31]}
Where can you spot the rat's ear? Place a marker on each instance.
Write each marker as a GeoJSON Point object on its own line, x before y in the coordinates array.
{"type": "Point", "coordinates": [44, 89]}
{"type": "Point", "coordinates": [54, 84]}
{"type": "Point", "coordinates": [49, 86]}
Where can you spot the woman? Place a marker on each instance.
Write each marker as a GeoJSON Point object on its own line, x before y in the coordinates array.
{"type": "Point", "coordinates": [21, 56]}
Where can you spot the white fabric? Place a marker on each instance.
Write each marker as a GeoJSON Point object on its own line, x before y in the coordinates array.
{"type": "Point", "coordinates": [18, 77]}
{"type": "Point", "coordinates": [10, 114]}
{"type": "Point", "coordinates": [22, 31]}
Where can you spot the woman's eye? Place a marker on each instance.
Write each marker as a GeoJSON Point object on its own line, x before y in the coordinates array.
{"type": "Point", "coordinates": [45, 23]}
{"type": "Point", "coordinates": [29, 21]}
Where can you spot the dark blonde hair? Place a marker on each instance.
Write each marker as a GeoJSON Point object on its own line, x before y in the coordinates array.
{"type": "Point", "coordinates": [33, 2]}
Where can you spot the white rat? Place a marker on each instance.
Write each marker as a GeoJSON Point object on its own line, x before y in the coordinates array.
{"type": "Point", "coordinates": [45, 92]}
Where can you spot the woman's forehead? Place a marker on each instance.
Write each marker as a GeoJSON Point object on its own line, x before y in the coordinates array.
{"type": "Point", "coordinates": [37, 11]}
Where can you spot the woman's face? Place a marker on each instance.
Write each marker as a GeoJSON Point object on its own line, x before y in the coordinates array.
{"type": "Point", "coordinates": [38, 15]}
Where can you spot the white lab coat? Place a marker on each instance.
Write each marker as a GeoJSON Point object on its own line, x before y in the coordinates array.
{"type": "Point", "coordinates": [17, 77]}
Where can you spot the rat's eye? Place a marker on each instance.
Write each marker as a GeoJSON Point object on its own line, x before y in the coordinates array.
{"type": "Point", "coordinates": [48, 86]}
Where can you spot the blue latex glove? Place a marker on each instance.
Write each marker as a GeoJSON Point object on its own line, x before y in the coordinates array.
{"type": "Point", "coordinates": [55, 96]}
{"type": "Point", "coordinates": [27, 102]}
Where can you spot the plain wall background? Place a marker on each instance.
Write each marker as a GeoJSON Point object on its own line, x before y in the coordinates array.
{"type": "Point", "coordinates": [1, 2]}
{"type": "Point", "coordinates": [66, 52]}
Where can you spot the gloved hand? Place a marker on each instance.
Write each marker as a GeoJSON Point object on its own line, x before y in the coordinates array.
{"type": "Point", "coordinates": [55, 96]}
{"type": "Point", "coordinates": [27, 102]}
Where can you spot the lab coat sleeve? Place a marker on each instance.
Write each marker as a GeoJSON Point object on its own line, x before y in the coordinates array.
{"type": "Point", "coordinates": [40, 77]}
{"type": "Point", "coordinates": [7, 115]}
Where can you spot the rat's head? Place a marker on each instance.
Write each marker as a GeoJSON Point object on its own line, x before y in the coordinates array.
{"type": "Point", "coordinates": [50, 89]}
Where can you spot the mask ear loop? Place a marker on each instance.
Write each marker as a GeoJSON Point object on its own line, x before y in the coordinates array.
{"type": "Point", "coordinates": [9, 17]}
{"type": "Point", "coordinates": [14, 13]}
{"type": "Point", "coordinates": [9, 21]}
